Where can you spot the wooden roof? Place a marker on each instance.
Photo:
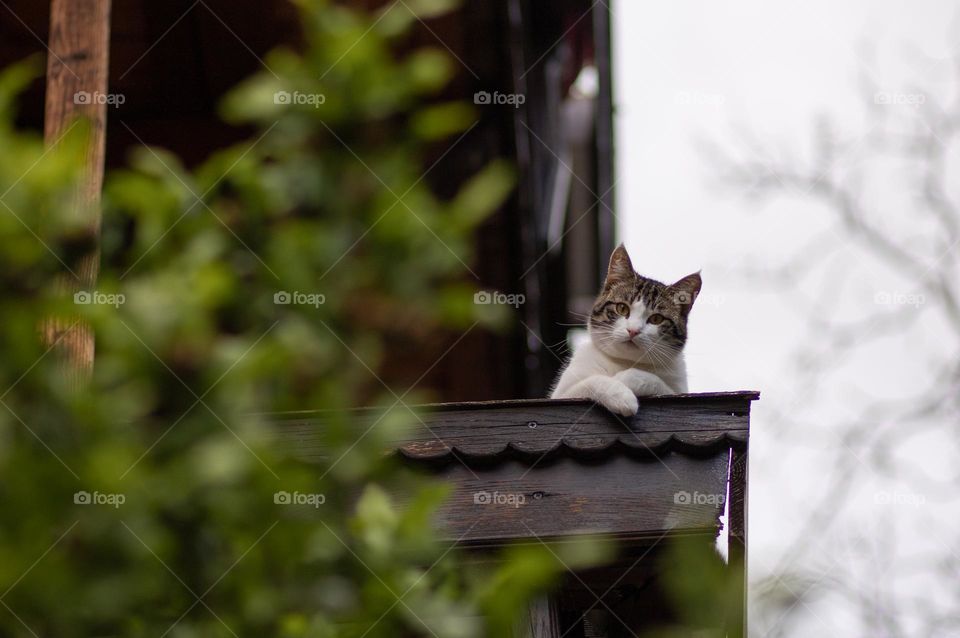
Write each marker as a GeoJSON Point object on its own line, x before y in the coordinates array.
{"type": "Point", "coordinates": [553, 468]}
{"type": "Point", "coordinates": [535, 430]}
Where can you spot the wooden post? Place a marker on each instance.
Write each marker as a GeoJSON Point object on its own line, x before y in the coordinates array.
{"type": "Point", "coordinates": [77, 74]}
{"type": "Point", "coordinates": [543, 620]}
{"type": "Point", "coordinates": [737, 543]}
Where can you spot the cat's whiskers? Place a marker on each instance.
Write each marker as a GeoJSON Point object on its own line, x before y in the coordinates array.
{"type": "Point", "coordinates": [648, 351]}
{"type": "Point", "coordinates": [662, 359]}
{"type": "Point", "coordinates": [662, 353]}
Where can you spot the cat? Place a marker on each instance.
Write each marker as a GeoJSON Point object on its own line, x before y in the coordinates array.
{"type": "Point", "coordinates": [638, 328]}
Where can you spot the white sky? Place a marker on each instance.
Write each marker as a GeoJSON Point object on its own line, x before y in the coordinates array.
{"type": "Point", "coordinates": [692, 71]}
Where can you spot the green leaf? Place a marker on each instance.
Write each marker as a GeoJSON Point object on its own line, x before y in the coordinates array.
{"type": "Point", "coordinates": [484, 193]}
{"type": "Point", "coordinates": [376, 520]}
{"type": "Point", "coordinates": [442, 120]}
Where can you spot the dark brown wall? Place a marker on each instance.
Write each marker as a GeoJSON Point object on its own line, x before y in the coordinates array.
{"type": "Point", "coordinates": [173, 60]}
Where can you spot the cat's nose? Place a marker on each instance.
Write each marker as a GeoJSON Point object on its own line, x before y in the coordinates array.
{"type": "Point", "coordinates": [632, 332]}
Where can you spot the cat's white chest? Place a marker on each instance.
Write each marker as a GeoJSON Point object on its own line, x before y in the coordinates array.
{"type": "Point", "coordinates": [615, 383]}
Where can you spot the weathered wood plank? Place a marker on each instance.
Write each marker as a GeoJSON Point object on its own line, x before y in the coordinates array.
{"type": "Point", "coordinates": [619, 497]}
{"type": "Point", "coordinates": [703, 397]}
{"type": "Point", "coordinates": [736, 622]}
{"type": "Point", "coordinates": [543, 621]}
{"type": "Point", "coordinates": [527, 430]}
{"type": "Point", "coordinates": [77, 73]}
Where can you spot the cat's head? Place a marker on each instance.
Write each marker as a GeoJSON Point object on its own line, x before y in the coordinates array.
{"type": "Point", "coordinates": [639, 319]}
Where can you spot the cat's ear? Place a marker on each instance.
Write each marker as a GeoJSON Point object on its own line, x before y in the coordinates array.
{"type": "Point", "coordinates": [685, 292]}
{"type": "Point", "coordinates": [620, 268]}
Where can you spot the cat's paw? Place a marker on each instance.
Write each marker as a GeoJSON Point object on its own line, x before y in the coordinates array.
{"type": "Point", "coordinates": [643, 383]}
{"type": "Point", "coordinates": [618, 398]}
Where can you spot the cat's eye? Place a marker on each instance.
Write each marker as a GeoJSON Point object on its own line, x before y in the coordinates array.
{"type": "Point", "coordinates": [622, 309]}
{"type": "Point", "coordinates": [656, 319]}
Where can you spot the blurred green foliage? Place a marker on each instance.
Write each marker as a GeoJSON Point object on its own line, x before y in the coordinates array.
{"type": "Point", "coordinates": [705, 591]}
{"type": "Point", "coordinates": [192, 345]}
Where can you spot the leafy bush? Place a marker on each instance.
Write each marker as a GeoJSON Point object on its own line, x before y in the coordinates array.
{"type": "Point", "coordinates": [149, 501]}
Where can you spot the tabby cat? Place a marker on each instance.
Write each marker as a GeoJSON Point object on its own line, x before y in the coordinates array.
{"type": "Point", "coordinates": [638, 329]}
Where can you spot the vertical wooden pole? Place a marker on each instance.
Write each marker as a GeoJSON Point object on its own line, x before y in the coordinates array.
{"type": "Point", "coordinates": [737, 543]}
{"type": "Point", "coordinates": [77, 76]}
{"type": "Point", "coordinates": [543, 621]}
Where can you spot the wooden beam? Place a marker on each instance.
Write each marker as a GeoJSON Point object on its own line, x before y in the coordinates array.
{"type": "Point", "coordinates": [737, 543]}
{"type": "Point", "coordinates": [543, 620]}
{"type": "Point", "coordinates": [77, 87]}
{"type": "Point", "coordinates": [619, 498]}
{"type": "Point", "coordinates": [696, 424]}
{"type": "Point", "coordinates": [605, 136]}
